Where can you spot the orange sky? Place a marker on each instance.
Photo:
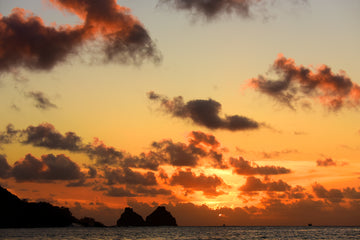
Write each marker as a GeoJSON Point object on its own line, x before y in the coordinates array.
{"type": "Point", "coordinates": [226, 115]}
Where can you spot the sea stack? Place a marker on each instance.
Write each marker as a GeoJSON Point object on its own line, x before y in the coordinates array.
{"type": "Point", "coordinates": [160, 217]}
{"type": "Point", "coordinates": [130, 218]}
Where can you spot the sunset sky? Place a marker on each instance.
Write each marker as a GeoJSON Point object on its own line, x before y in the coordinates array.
{"type": "Point", "coordinates": [236, 112]}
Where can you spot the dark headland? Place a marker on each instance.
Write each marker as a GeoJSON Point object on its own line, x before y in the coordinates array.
{"type": "Point", "coordinates": [17, 213]}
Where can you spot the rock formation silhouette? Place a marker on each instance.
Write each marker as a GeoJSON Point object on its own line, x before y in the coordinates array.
{"type": "Point", "coordinates": [130, 218]}
{"type": "Point", "coordinates": [160, 217]}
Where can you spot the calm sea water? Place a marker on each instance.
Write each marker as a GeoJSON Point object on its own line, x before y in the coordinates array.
{"type": "Point", "coordinates": [75, 233]}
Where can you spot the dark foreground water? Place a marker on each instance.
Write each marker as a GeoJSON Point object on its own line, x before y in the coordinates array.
{"type": "Point", "coordinates": [74, 233]}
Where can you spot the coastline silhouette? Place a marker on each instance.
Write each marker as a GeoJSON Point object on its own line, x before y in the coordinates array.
{"type": "Point", "coordinates": [17, 213]}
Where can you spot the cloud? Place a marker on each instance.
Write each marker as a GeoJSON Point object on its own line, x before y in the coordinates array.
{"type": "Point", "coordinates": [202, 149]}
{"type": "Point", "coordinates": [254, 184]}
{"type": "Point", "coordinates": [9, 135]}
{"type": "Point", "coordinates": [351, 193]}
{"type": "Point", "coordinates": [4, 167]}
{"type": "Point", "coordinates": [28, 43]}
{"type": "Point", "coordinates": [119, 192]}
{"type": "Point", "coordinates": [278, 153]}
{"type": "Point", "coordinates": [243, 167]}
{"type": "Point", "coordinates": [198, 137]}
{"type": "Point", "coordinates": [190, 182]}
{"type": "Point", "coordinates": [136, 191]}
{"type": "Point", "coordinates": [102, 153]}
{"type": "Point", "coordinates": [212, 8]}
{"type": "Point", "coordinates": [45, 135]}
{"type": "Point", "coordinates": [48, 168]}
{"type": "Point", "coordinates": [298, 84]}
{"type": "Point", "coordinates": [335, 195]}
{"type": "Point", "coordinates": [151, 192]}
{"type": "Point", "coordinates": [41, 101]}
{"type": "Point", "coordinates": [128, 176]}
{"type": "Point", "coordinates": [203, 112]}
{"type": "Point", "coordinates": [325, 163]}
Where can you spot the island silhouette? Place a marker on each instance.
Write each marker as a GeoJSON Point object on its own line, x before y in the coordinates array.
{"type": "Point", "coordinates": [17, 213]}
{"type": "Point", "coordinates": [159, 217]}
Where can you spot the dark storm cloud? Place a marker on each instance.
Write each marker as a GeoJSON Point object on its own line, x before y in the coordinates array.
{"type": "Point", "coordinates": [325, 163]}
{"type": "Point", "coordinates": [40, 100]}
{"type": "Point", "coordinates": [26, 42]}
{"type": "Point", "coordinates": [203, 112]}
{"type": "Point", "coordinates": [48, 168]}
{"type": "Point", "coordinates": [190, 182]}
{"type": "Point", "coordinates": [128, 176]}
{"type": "Point", "coordinates": [243, 167]}
{"type": "Point", "coordinates": [298, 84]}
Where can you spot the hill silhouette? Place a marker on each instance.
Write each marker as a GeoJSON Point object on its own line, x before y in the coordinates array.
{"type": "Point", "coordinates": [17, 213]}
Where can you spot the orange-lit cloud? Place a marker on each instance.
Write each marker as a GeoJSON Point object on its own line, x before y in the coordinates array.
{"type": "Point", "coordinates": [243, 167]}
{"type": "Point", "coordinates": [190, 182]}
{"type": "Point", "coordinates": [254, 184]}
{"type": "Point", "coordinates": [335, 195]}
{"type": "Point", "coordinates": [297, 84]}
{"type": "Point", "coordinates": [203, 112]}
{"type": "Point", "coordinates": [48, 168]}
{"type": "Point", "coordinates": [27, 42]}
{"type": "Point", "coordinates": [326, 162]}
{"type": "Point", "coordinates": [128, 176]}
{"type": "Point", "coordinates": [45, 135]}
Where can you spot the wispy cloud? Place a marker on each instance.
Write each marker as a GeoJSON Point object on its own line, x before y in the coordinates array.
{"type": "Point", "coordinates": [40, 100]}
{"type": "Point", "coordinates": [211, 9]}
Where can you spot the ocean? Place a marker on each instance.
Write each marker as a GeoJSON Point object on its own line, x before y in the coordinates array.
{"type": "Point", "coordinates": [188, 233]}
